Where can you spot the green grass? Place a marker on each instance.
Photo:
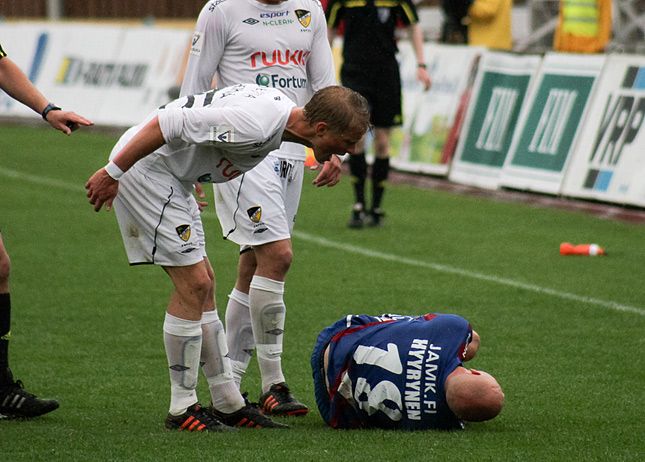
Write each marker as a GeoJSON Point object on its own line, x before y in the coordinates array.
{"type": "Point", "coordinates": [562, 335]}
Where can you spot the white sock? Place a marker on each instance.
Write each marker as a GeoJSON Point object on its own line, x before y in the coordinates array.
{"type": "Point", "coordinates": [225, 396]}
{"type": "Point", "coordinates": [266, 305]}
{"type": "Point", "coordinates": [239, 334]}
{"type": "Point", "coordinates": [183, 342]}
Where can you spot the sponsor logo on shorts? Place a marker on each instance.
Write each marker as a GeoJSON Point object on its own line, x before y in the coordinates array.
{"type": "Point", "coordinates": [255, 214]}
{"type": "Point", "coordinates": [183, 231]}
{"type": "Point", "coordinates": [285, 169]}
{"type": "Point", "coordinates": [304, 16]}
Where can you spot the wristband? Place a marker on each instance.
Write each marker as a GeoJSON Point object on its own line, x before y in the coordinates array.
{"type": "Point", "coordinates": [50, 107]}
{"type": "Point", "coordinates": [422, 66]}
{"type": "Point", "coordinates": [114, 170]}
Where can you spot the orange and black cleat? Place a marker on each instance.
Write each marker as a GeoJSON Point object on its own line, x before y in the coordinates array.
{"type": "Point", "coordinates": [249, 417]}
{"type": "Point", "coordinates": [196, 419]}
{"type": "Point", "coordinates": [279, 401]}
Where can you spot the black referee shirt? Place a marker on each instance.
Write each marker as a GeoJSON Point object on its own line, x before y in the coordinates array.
{"type": "Point", "coordinates": [369, 27]}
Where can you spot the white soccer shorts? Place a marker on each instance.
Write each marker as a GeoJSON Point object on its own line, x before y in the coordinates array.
{"type": "Point", "coordinates": [260, 206]}
{"type": "Point", "coordinates": [159, 220]}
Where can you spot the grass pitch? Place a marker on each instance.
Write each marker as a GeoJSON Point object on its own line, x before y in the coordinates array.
{"type": "Point", "coordinates": [562, 335]}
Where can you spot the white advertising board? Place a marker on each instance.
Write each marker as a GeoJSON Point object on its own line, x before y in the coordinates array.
{"type": "Point", "coordinates": [608, 163]}
{"type": "Point", "coordinates": [113, 75]}
{"type": "Point", "coordinates": [428, 116]}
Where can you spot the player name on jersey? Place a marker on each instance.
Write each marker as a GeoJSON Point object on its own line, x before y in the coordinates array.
{"type": "Point", "coordinates": [421, 380]}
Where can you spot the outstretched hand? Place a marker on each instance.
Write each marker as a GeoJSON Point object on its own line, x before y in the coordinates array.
{"type": "Point", "coordinates": [102, 189]}
{"type": "Point", "coordinates": [67, 121]}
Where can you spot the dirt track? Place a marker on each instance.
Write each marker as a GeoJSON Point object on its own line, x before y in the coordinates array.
{"type": "Point", "coordinates": [608, 211]}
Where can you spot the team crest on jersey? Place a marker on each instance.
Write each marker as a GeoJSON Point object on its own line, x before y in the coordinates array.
{"type": "Point", "coordinates": [222, 134]}
{"type": "Point", "coordinates": [255, 214]}
{"type": "Point", "coordinates": [184, 232]}
{"type": "Point", "coordinates": [383, 14]}
{"type": "Point", "coordinates": [304, 16]}
{"type": "Point", "coordinates": [196, 43]}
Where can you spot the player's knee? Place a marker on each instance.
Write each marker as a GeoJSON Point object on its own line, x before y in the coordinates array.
{"type": "Point", "coordinates": [200, 286]}
{"type": "Point", "coordinates": [283, 259]}
{"type": "Point", "coordinates": [274, 260]}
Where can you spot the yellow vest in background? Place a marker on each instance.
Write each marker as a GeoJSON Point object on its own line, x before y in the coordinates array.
{"type": "Point", "coordinates": [584, 26]}
{"type": "Point", "coordinates": [489, 24]}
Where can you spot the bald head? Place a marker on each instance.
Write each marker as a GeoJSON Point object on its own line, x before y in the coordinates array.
{"type": "Point", "coordinates": [473, 396]}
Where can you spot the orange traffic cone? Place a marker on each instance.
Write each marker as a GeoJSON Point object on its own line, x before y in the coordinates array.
{"type": "Point", "coordinates": [582, 249]}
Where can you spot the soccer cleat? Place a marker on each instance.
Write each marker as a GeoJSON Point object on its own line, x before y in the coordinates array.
{"type": "Point", "coordinates": [245, 396]}
{"type": "Point", "coordinates": [376, 218]}
{"type": "Point", "coordinates": [196, 419]}
{"type": "Point", "coordinates": [15, 402]}
{"type": "Point", "coordinates": [249, 417]}
{"type": "Point", "coordinates": [357, 218]}
{"type": "Point", "coordinates": [279, 401]}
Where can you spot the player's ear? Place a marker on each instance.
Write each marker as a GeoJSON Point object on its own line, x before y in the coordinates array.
{"type": "Point", "coordinates": [321, 128]}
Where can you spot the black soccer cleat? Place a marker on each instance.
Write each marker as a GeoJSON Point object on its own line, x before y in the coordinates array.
{"type": "Point", "coordinates": [357, 218]}
{"type": "Point", "coordinates": [280, 402]}
{"type": "Point", "coordinates": [248, 417]}
{"type": "Point", "coordinates": [16, 403]}
{"type": "Point", "coordinates": [196, 419]}
{"type": "Point", "coordinates": [376, 218]}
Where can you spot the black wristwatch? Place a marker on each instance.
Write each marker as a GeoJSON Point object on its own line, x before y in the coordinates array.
{"type": "Point", "coordinates": [50, 107]}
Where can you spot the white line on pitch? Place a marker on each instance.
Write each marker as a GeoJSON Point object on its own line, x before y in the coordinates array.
{"type": "Point", "coordinates": [465, 273]}
{"type": "Point", "coordinates": [374, 254]}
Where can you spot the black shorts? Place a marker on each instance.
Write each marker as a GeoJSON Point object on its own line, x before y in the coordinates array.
{"type": "Point", "coordinates": [381, 86]}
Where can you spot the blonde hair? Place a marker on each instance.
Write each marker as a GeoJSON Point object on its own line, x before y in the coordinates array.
{"type": "Point", "coordinates": [342, 109]}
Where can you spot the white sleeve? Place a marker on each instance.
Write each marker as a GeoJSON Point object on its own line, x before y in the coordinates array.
{"type": "Point", "coordinates": [171, 123]}
{"type": "Point", "coordinates": [252, 122]}
{"type": "Point", "coordinates": [320, 66]}
{"type": "Point", "coordinates": [207, 47]}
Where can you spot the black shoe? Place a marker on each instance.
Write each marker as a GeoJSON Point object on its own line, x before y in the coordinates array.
{"type": "Point", "coordinates": [245, 396]}
{"type": "Point", "coordinates": [15, 402]}
{"type": "Point", "coordinates": [376, 218]}
{"type": "Point", "coordinates": [249, 417]}
{"type": "Point", "coordinates": [357, 218]}
{"type": "Point", "coordinates": [279, 401]}
{"type": "Point", "coordinates": [196, 419]}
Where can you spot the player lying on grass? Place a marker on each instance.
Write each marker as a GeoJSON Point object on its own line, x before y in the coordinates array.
{"type": "Point", "coordinates": [401, 372]}
{"type": "Point", "coordinates": [207, 138]}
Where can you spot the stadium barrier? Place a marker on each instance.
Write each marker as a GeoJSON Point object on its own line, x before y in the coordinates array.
{"type": "Point", "coordinates": [113, 75]}
{"type": "Point", "coordinates": [560, 124]}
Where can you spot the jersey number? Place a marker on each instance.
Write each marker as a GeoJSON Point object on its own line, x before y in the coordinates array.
{"type": "Point", "coordinates": [371, 399]}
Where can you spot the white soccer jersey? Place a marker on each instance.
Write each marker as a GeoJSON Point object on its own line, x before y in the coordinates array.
{"type": "Point", "coordinates": [245, 41]}
{"type": "Point", "coordinates": [215, 136]}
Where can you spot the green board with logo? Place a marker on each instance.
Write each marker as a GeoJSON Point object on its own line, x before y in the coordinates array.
{"type": "Point", "coordinates": [550, 122]}
{"type": "Point", "coordinates": [499, 93]}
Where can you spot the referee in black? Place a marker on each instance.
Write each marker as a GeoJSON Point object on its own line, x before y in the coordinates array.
{"type": "Point", "coordinates": [370, 68]}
